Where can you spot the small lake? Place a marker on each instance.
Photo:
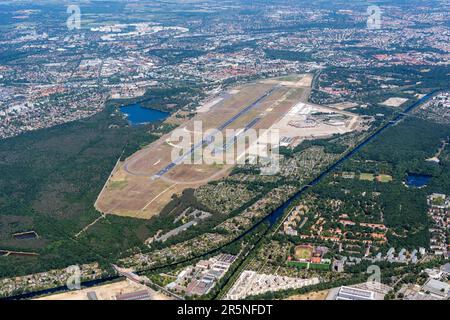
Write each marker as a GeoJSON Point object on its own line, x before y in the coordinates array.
{"type": "Point", "coordinates": [414, 180]}
{"type": "Point", "coordinates": [137, 115]}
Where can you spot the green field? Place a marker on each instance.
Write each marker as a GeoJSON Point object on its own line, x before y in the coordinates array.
{"type": "Point", "coordinates": [309, 265]}
{"type": "Point", "coordinates": [117, 185]}
{"type": "Point", "coordinates": [291, 78]}
{"type": "Point", "coordinates": [298, 264]}
{"type": "Point", "coordinates": [384, 178]}
{"type": "Point", "coordinates": [319, 266]}
{"type": "Point", "coordinates": [366, 177]}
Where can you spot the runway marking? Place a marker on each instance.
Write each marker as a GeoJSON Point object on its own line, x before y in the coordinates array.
{"type": "Point", "coordinates": [353, 123]}
{"type": "Point", "coordinates": [193, 131]}
{"type": "Point", "coordinates": [157, 162]}
{"type": "Point", "coordinates": [164, 191]}
{"type": "Point", "coordinates": [173, 145]}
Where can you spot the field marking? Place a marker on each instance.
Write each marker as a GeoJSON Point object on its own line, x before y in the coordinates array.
{"type": "Point", "coordinates": [164, 191]}
{"type": "Point", "coordinates": [172, 145]}
{"type": "Point", "coordinates": [193, 131]}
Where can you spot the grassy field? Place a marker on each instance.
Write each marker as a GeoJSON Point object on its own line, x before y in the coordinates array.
{"type": "Point", "coordinates": [292, 78]}
{"type": "Point", "coordinates": [297, 264]}
{"type": "Point", "coordinates": [309, 265]}
{"type": "Point", "coordinates": [384, 178]}
{"type": "Point", "coordinates": [117, 184]}
{"type": "Point", "coordinates": [367, 177]}
{"type": "Point", "coordinates": [319, 266]}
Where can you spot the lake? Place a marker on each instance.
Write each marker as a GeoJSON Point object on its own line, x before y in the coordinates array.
{"type": "Point", "coordinates": [137, 115]}
{"type": "Point", "coordinates": [417, 180]}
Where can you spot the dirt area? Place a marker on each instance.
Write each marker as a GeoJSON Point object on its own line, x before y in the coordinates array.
{"type": "Point", "coordinates": [209, 104]}
{"type": "Point", "coordinates": [106, 292]}
{"type": "Point", "coordinates": [303, 252]}
{"type": "Point", "coordinates": [177, 118]}
{"type": "Point", "coordinates": [319, 295]}
{"type": "Point", "coordinates": [293, 81]}
{"type": "Point", "coordinates": [343, 105]}
{"type": "Point", "coordinates": [394, 102]}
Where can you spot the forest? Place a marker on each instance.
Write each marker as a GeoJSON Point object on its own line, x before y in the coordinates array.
{"type": "Point", "coordinates": [49, 182]}
{"type": "Point", "coordinates": [398, 151]}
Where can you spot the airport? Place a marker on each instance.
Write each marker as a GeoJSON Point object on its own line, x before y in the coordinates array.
{"type": "Point", "coordinates": [144, 183]}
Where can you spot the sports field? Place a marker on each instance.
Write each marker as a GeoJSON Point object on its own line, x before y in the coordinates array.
{"type": "Point", "coordinates": [309, 265]}
{"type": "Point", "coordinates": [303, 252]}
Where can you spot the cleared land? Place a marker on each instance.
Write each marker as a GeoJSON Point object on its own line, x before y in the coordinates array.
{"type": "Point", "coordinates": [394, 102]}
{"type": "Point", "coordinates": [145, 182]}
{"type": "Point", "coordinates": [319, 295]}
{"type": "Point", "coordinates": [106, 292]}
